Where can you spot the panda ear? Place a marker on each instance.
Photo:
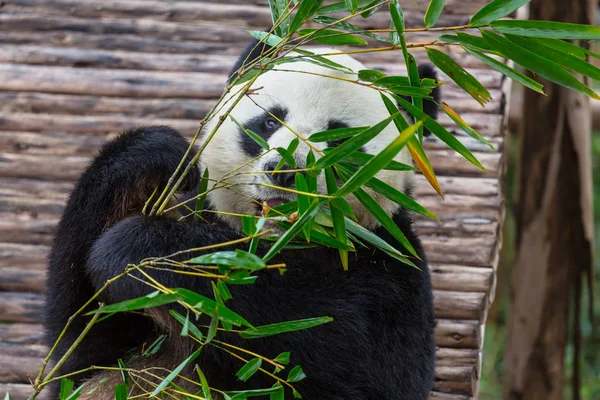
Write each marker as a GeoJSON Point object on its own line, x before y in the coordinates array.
{"type": "Point", "coordinates": [429, 105]}
{"type": "Point", "coordinates": [250, 54]}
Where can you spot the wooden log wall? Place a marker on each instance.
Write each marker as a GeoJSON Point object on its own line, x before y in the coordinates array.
{"type": "Point", "coordinates": [75, 72]}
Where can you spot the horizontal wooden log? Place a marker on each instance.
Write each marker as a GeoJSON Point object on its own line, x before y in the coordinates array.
{"type": "Point", "coordinates": [19, 369]}
{"type": "Point", "coordinates": [460, 380]}
{"type": "Point", "coordinates": [447, 396]}
{"type": "Point", "coordinates": [19, 391]}
{"type": "Point", "coordinates": [23, 255]}
{"type": "Point", "coordinates": [458, 334]}
{"type": "Point", "coordinates": [99, 82]}
{"type": "Point", "coordinates": [471, 251]}
{"type": "Point", "coordinates": [449, 357]}
{"type": "Point", "coordinates": [20, 307]}
{"type": "Point", "coordinates": [22, 280]}
{"type": "Point", "coordinates": [460, 278]}
{"type": "Point", "coordinates": [40, 351]}
{"type": "Point", "coordinates": [458, 305]}
{"type": "Point", "coordinates": [21, 333]}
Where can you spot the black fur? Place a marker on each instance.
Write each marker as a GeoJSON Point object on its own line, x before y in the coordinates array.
{"type": "Point", "coordinates": [379, 345]}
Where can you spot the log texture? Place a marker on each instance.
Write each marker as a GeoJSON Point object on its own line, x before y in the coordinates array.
{"type": "Point", "coordinates": [74, 73]}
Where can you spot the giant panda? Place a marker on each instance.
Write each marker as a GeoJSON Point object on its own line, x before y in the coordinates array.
{"type": "Point", "coordinates": [380, 342]}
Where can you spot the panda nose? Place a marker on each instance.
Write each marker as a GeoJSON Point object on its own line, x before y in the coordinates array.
{"type": "Point", "coordinates": [280, 178]}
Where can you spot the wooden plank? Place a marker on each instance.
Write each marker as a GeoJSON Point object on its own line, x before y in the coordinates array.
{"type": "Point", "coordinates": [22, 280]}
{"type": "Point", "coordinates": [20, 307]}
{"type": "Point", "coordinates": [459, 305]}
{"type": "Point", "coordinates": [23, 255]}
{"type": "Point", "coordinates": [19, 369]}
{"type": "Point", "coordinates": [21, 333]}
{"type": "Point", "coordinates": [460, 380]}
{"type": "Point", "coordinates": [458, 334]}
{"type": "Point", "coordinates": [123, 83]}
{"type": "Point", "coordinates": [460, 278]}
{"type": "Point", "coordinates": [19, 391]}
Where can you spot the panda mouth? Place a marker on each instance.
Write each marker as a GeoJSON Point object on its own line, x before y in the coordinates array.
{"type": "Point", "coordinates": [266, 205]}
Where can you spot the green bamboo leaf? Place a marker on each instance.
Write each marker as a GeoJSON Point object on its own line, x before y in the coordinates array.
{"type": "Point", "coordinates": [397, 21]}
{"type": "Point", "coordinates": [324, 239]}
{"type": "Point", "coordinates": [505, 70]}
{"type": "Point", "coordinates": [193, 329]}
{"type": "Point", "coordinates": [459, 75]}
{"type": "Point", "coordinates": [391, 193]}
{"type": "Point", "coordinates": [153, 299]}
{"type": "Point", "coordinates": [565, 60]}
{"type": "Point", "coordinates": [414, 146]}
{"type": "Point", "coordinates": [266, 37]}
{"type": "Point", "coordinates": [155, 346]}
{"type": "Point", "coordinates": [303, 202]}
{"type": "Point", "coordinates": [565, 47]}
{"type": "Point", "coordinates": [348, 27]}
{"type": "Point", "coordinates": [296, 374]}
{"type": "Point", "coordinates": [360, 158]}
{"type": "Point", "coordinates": [337, 216]}
{"type": "Point", "coordinates": [280, 24]}
{"type": "Point", "coordinates": [353, 144]}
{"type": "Point", "coordinates": [433, 12]}
{"type": "Point", "coordinates": [283, 358]}
{"type": "Point", "coordinates": [471, 41]}
{"type": "Point", "coordinates": [320, 60]}
{"type": "Point", "coordinates": [254, 242]}
{"type": "Point", "coordinates": [548, 29]}
{"type": "Point", "coordinates": [330, 36]}
{"type": "Point", "coordinates": [175, 372]}
{"type": "Point", "coordinates": [370, 75]}
{"type": "Point", "coordinates": [375, 165]}
{"type": "Point", "coordinates": [204, 383]}
{"type": "Point", "coordinates": [336, 134]}
{"type": "Point", "coordinates": [305, 11]}
{"type": "Point", "coordinates": [281, 327]}
{"type": "Point", "coordinates": [202, 190]}
{"type": "Point", "coordinates": [351, 5]}
{"type": "Point", "coordinates": [465, 127]}
{"type": "Point", "coordinates": [303, 219]}
{"type": "Point", "coordinates": [240, 277]}
{"type": "Point", "coordinates": [441, 132]}
{"type": "Point", "coordinates": [371, 8]}
{"type": "Point", "coordinates": [340, 6]}
{"type": "Point", "coordinates": [538, 64]}
{"type": "Point", "coordinates": [249, 369]}
{"type": "Point", "coordinates": [494, 10]}
{"type": "Point", "coordinates": [66, 388]}
{"type": "Point", "coordinates": [210, 307]}
{"type": "Point", "coordinates": [121, 391]}
{"type": "Point", "coordinates": [237, 258]}
{"type": "Point", "coordinates": [380, 215]}
{"type": "Point", "coordinates": [376, 241]}
{"type": "Point", "coordinates": [415, 82]}
{"type": "Point", "coordinates": [224, 290]}
{"type": "Point", "coordinates": [254, 136]}
{"type": "Point", "coordinates": [287, 155]}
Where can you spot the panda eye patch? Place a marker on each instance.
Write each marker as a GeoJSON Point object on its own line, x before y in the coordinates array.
{"type": "Point", "coordinates": [271, 123]}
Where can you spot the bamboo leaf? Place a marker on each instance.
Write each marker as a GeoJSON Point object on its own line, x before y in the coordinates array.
{"type": "Point", "coordinates": [360, 158]}
{"type": "Point", "coordinates": [506, 70]}
{"type": "Point", "coordinates": [259, 140]}
{"type": "Point", "coordinates": [415, 82]}
{"type": "Point", "coordinates": [397, 21]}
{"type": "Point", "coordinates": [548, 29]}
{"type": "Point", "coordinates": [351, 5]}
{"type": "Point", "coordinates": [565, 47]}
{"type": "Point", "coordinates": [330, 36]}
{"type": "Point", "coordinates": [353, 144]}
{"type": "Point", "coordinates": [281, 327]}
{"type": "Point", "coordinates": [376, 163]}
{"type": "Point", "coordinates": [471, 41]}
{"type": "Point", "coordinates": [392, 193]}
{"type": "Point", "coordinates": [296, 374]}
{"type": "Point", "coordinates": [494, 10]}
{"type": "Point", "coordinates": [210, 307]}
{"type": "Point", "coordinates": [538, 64]}
{"type": "Point", "coordinates": [237, 258]}
{"type": "Point", "coordinates": [153, 299]}
{"type": "Point", "coordinates": [277, 8]}
{"type": "Point", "coordinates": [465, 127]}
{"type": "Point", "coordinates": [121, 391]}
{"type": "Point", "coordinates": [320, 60]}
{"type": "Point", "coordinates": [175, 372]}
{"type": "Point", "coordinates": [340, 6]}
{"type": "Point", "coordinates": [266, 37]}
{"type": "Point", "coordinates": [337, 216]}
{"type": "Point", "coordinates": [459, 75]}
{"type": "Point", "coordinates": [303, 201]}
{"type": "Point", "coordinates": [414, 146]}
{"type": "Point", "coordinates": [336, 134]}
{"type": "Point", "coordinates": [193, 329]}
{"type": "Point", "coordinates": [563, 59]}
{"type": "Point", "coordinates": [249, 369]}
{"type": "Point", "coordinates": [371, 8]}
{"type": "Point", "coordinates": [305, 11]}
{"type": "Point", "coordinates": [346, 26]}
{"type": "Point", "coordinates": [203, 383]}
{"type": "Point", "coordinates": [66, 388]}
{"type": "Point", "coordinates": [370, 75]}
{"type": "Point", "coordinates": [303, 219]}
{"type": "Point", "coordinates": [433, 12]}
{"type": "Point", "coordinates": [441, 132]}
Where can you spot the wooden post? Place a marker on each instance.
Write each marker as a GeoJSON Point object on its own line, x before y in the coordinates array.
{"type": "Point", "coordinates": [554, 228]}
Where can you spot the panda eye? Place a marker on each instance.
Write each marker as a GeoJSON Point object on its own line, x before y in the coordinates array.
{"type": "Point", "coordinates": [271, 123]}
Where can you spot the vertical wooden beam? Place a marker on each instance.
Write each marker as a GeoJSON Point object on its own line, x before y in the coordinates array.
{"type": "Point", "coordinates": [554, 223]}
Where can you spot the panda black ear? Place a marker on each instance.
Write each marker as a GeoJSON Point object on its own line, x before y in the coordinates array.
{"type": "Point", "coordinates": [250, 54]}
{"type": "Point", "coordinates": [429, 106]}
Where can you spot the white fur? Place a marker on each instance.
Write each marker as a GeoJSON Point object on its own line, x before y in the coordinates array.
{"type": "Point", "coordinates": [311, 102]}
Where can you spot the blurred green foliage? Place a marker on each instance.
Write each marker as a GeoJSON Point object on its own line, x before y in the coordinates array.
{"type": "Point", "coordinates": [495, 333]}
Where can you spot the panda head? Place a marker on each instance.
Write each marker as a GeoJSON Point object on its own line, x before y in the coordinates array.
{"type": "Point", "coordinates": [304, 99]}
